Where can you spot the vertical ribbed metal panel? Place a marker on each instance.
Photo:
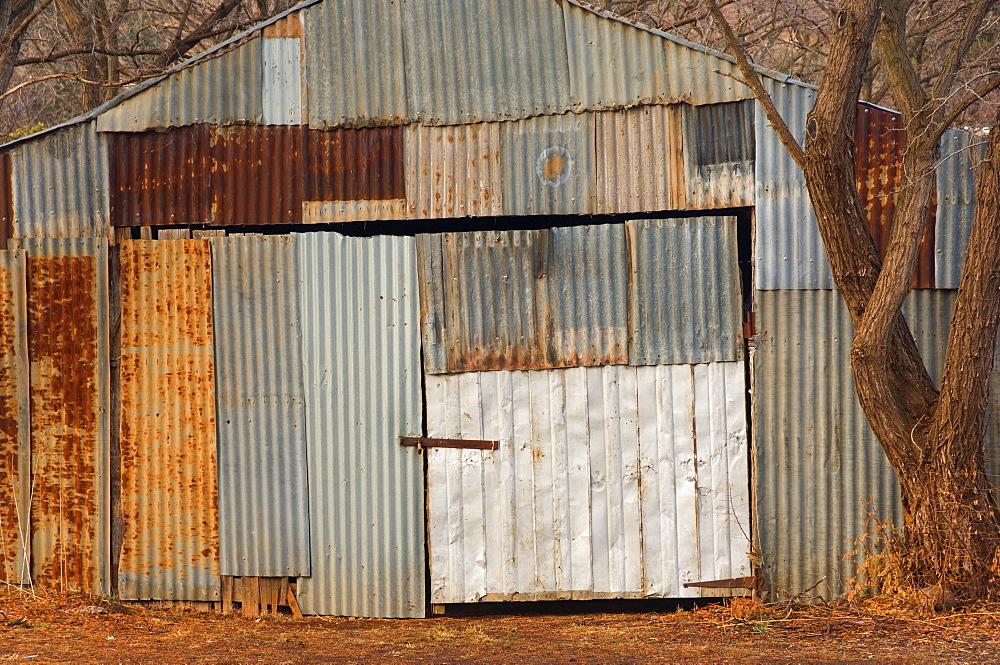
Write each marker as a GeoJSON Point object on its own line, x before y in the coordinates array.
{"type": "Point", "coordinates": [6, 200]}
{"type": "Point", "coordinates": [263, 488]}
{"type": "Point", "coordinates": [484, 60]}
{"type": "Point", "coordinates": [70, 379]}
{"type": "Point", "coordinates": [453, 171]}
{"type": "Point", "coordinates": [956, 204]}
{"type": "Point", "coordinates": [788, 249]}
{"type": "Point", "coordinates": [820, 468]}
{"type": "Point", "coordinates": [524, 299]}
{"type": "Point", "coordinates": [609, 482]}
{"type": "Point", "coordinates": [217, 90]}
{"type": "Point", "coordinates": [549, 165]}
{"type": "Point", "coordinates": [354, 63]}
{"type": "Point", "coordinates": [718, 147]}
{"type": "Point", "coordinates": [633, 160]}
{"type": "Point", "coordinates": [169, 488]}
{"type": "Point", "coordinates": [60, 184]}
{"type": "Point", "coordinates": [684, 294]}
{"type": "Point", "coordinates": [281, 84]}
{"type": "Point", "coordinates": [15, 450]}
{"type": "Point", "coordinates": [361, 347]}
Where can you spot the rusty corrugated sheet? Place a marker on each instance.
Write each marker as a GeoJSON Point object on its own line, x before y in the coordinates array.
{"type": "Point", "coordinates": [68, 347]}
{"type": "Point", "coordinates": [170, 548]}
{"type": "Point", "coordinates": [356, 165]}
{"type": "Point", "coordinates": [718, 146]}
{"type": "Point", "coordinates": [524, 299]}
{"type": "Point", "coordinates": [638, 163]}
{"type": "Point", "coordinates": [878, 165]}
{"type": "Point", "coordinates": [6, 200]}
{"type": "Point", "coordinates": [15, 452]}
{"type": "Point", "coordinates": [453, 171]}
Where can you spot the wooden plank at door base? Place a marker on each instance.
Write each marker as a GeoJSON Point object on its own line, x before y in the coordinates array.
{"type": "Point", "coordinates": [227, 594]}
{"type": "Point", "coordinates": [293, 603]}
{"type": "Point", "coordinates": [437, 609]}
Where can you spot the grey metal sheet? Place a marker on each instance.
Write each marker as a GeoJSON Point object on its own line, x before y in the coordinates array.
{"type": "Point", "coordinates": [354, 64]}
{"type": "Point", "coordinates": [281, 86]}
{"type": "Point", "coordinates": [718, 146]}
{"type": "Point", "coordinates": [220, 90]}
{"type": "Point", "coordinates": [956, 204]}
{"type": "Point", "coordinates": [788, 249]}
{"type": "Point", "coordinates": [60, 185]}
{"type": "Point", "coordinates": [361, 348]}
{"type": "Point", "coordinates": [613, 65]}
{"type": "Point", "coordinates": [638, 166]}
{"type": "Point", "coordinates": [684, 294]}
{"type": "Point", "coordinates": [549, 165]}
{"type": "Point", "coordinates": [263, 490]}
{"type": "Point", "coordinates": [475, 61]}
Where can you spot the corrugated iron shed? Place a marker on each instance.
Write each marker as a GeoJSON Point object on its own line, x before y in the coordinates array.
{"type": "Point", "coordinates": [68, 346]}
{"type": "Point", "coordinates": [169, 489]}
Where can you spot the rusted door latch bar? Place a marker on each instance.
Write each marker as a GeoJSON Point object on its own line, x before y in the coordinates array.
{"type": "Point", "coordinates": [422, 442]}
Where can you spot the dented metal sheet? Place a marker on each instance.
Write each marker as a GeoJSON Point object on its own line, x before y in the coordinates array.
{"type": "Point", "coordinates": [684, 291]}
{"type": "Point", "coordinates": [609, 482]}
{"type": "Point", "coordinates": [549, 165]}
{"type": "Point", "coordinates": [68, 347]}
{"type": "Point", "coordinates": [478, 61]}
{"type": "Point", "coordinates": [361, 352]}
{"type": "Point", "coordinates": [263, 489]}
{"type": "Point", "coordinates": [638, 163]}
{"type": "Point", "coordinates": [956, 204]}
{"type": "Point", "coordinates": [170, 544]}
{"type": "Point", "coordinates": [614, 65]}
{"type": "Point", "coordinates": [221, 89]}
{"type": "Point", "coordinates": [15, 450]}
{"type": "Point", "coordinates": [718, 147]}
{"type": "Point", "coordinates": [453, 171]}
{"type": "Point", "coordinates": [281, 85]}
{"type": "Point", "coordinates": [60, 185]}
{"type": "Point", "coordinates": [524, 299]}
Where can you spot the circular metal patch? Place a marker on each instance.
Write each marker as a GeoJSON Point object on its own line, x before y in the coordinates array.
{"type": "Point", "coordinates": [554, 165]}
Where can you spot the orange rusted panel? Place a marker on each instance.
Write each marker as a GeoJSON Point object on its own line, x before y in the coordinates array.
{"type": "Point", "coordinates": [878, 166]}
{"type": "Point", "coordinates": [14, 450]}
{"type": "Point", "coordinates": [170, 548]}
{"type": "Point", "coordinates": [68, 347]}
{"type": "Point", "coordinates": [289, 26]}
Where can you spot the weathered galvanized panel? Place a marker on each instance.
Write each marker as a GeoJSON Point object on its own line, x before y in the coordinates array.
{"type": "Point", "coordinates": [263, 494]}
{"type": "Point", "coordinates": [880, 140]}
{"type": "Point", "coordinates": [956, 204]}
{"type": "Point", "coordinates": [549, 165]}
{"type": "Point", "coordinates": [524, 299]}
{"type": "Point", "coordinates": [684, 292]}
{"type": "Point", "coordinates": [718, 146]}
{"type": "Point", "coordinates": [609, 482]}
{"type": "Point", "coordinates": [810, 432]}
{"type": "Point", "coordinates": [788, 250]}
{"type": "Point", "coordinates": [637, 162]}
{"type": "Point", "coordinates": [361, 349]}
{"type": "Point", "coordinates": [15, 451]}
{"type": "Point", "coordinates": [354, 64]}
{"type": "Point", "coordinates": [220, 89]}
{"type": "Point", "coordinates": [281, 86]}
{"type": "Point", "coordinates": [68, 348]}
{"type": "Point", "coordinates": [6, 200]}
{"type": "Point", "coordinates": [482, 60]}
{"type": "Point", "coordinates": [453, 171]}
{"type": "Point", "coordinates": [60, 185]}
{"type": "Point", "coordinates": [170, 544]}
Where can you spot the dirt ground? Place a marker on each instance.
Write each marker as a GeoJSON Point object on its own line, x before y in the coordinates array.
{"type": "Point", "coordinates": [78, 629]}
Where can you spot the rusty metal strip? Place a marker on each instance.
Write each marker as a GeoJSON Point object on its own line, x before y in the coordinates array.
{"type": "Point", "coordinates": [15, 454]}
{"type": "Point", "coordinates": [68, 345]}
{"type": "Point", "coordinates": [431, 442]}
{"type": "Point", "coordinates": [753, 582]}
{"type": "Point", "coordinates": [170, 548]}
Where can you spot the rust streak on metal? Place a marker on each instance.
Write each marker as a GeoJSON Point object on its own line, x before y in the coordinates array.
{"type": "Point", "coordinates": [289, 26]}
{"type": "Point", "coordinates": [356, 164]}
{"type": "Point", "coordinates": [431, 442]}
{"type": "Point", "coordinates": [13, 370]}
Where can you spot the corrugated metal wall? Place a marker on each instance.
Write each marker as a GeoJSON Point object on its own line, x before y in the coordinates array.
{"type": "Point", "coordinates": [219, 89]}
{"type": "Point", "coordinates": [68, 347]}
{"type": "Point", "coordinates": [684, 291]}
{"type": "Point", "coordinates": [169, 488]}
{"type": "Point", "coordinates": [638, 164]}
{"type": "Point", "coordinates": [15, 450]}
{"type": "Point", "coordinates": [610, 482]}
{"type": "Point", "coordinates": [6, 200]}
{"type": "Point", "coordinates": [281, 87]}
{"type": "Point", "coordinates": [956, 204]}
{"type": "Point", "coordinates": [60, 185]}
{"type": "Point", "coordinates": [263, 487]}
{"type": "Point", "coordinates": [361, 352]}
{"type": "Point", "coordinates": [718, 146]}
